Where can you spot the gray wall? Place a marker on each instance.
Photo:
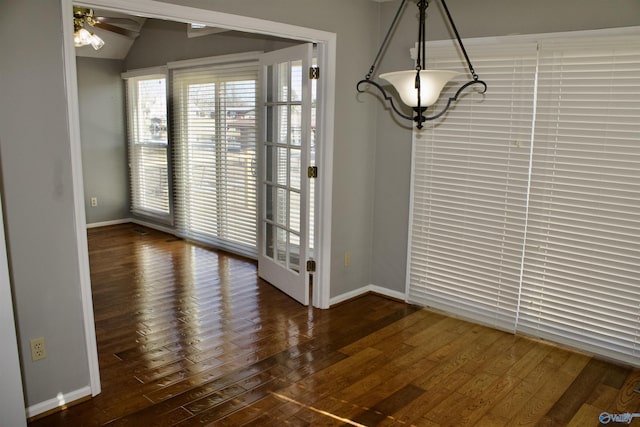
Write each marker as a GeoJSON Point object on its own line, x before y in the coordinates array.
{"type": "Point", "coordinates": [103, 136]}
{"type": "Point", "coordinates": [11, 393]}
{"type": "Point", "coordinates": [38, 198]}
{"type": "Point", "coordinates": [473, 19]}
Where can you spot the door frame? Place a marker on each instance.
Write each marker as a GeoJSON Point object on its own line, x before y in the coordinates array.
{"type": "Point", "coordinates": [326, 42]}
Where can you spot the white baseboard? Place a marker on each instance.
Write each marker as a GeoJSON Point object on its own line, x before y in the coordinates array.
{"type": "Point", "coordinates": [106, 223]}
{"type": "Point", "coordinates": [59, 401]}
{"type": "Point", "coordinates": [153, 226]}
{"type": "Point", "coordinates": [388, 292]}
{"type": "Point", "coordinates": [366, 289]}
{"type": "Point", "coordinates": [133, 221]}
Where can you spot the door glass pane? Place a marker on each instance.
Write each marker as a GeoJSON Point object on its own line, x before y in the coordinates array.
{"type": "Point", "coordinates": [281, 245]}
{"type": "Point", "coordinates": [269, 163]}
{"type": "Point", "coordinates": [269, 83]}
{"type": "Point", "coordinates": [295, 167]}
{"type": "Point", "coordinates": [268, 241]}
{"type": "Point", "coordinates": [296, 125]}
{"type": "Point", "coordinates": [294, 252]}
{"type": "Point", "coordinates": [283, 82]}
{"type": "Point", "coordinates": [270, 214]}
{"type": "Point", "coordinates": [283, 125]}
{"type": "Point", "coordinates": [282, 166]}
{"type": "Point", "coordinates": [281, 207]}
{"type": "Point", "coordinates": [269, 118]}
{"type": "Point", "coordinates": [294, 214]}
{"type": "Point", "coordinates": [296, 81]}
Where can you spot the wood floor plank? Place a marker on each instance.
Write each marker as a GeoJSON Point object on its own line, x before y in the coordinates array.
{"type": "Point", "coordinates": [388, 406]}
{"type": "Point", "coordinates": [407, 326]}
{"type": "Point", "coordinates": [191, 336]}
{"type": "Point", "coordinates": [580, 389]}
{"type": "Point", "coordinates": [530, 385]}
{"type": "Point", "coordinates": [587, 415]}
{"type": "Point", "coordinates": [628, 400]}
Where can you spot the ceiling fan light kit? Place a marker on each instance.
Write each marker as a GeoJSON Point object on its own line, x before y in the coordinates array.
{"type": "Point", "coordinates": [82, 36]}
{"type": "Point", "coordinates": [84, 20]}
{"type": "Point", "coordinates": [420, 88]}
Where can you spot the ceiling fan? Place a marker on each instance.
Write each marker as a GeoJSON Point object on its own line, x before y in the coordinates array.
{"type": "Point", "coordinates": [84, 18]}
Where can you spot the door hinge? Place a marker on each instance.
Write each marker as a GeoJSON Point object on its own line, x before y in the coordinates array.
{"type": "Point", "coordinates": [314, 73]}
{"type": "Point", "coordinates": [312, 172]}
{"type": "Point", "coordinates": [311, 266]}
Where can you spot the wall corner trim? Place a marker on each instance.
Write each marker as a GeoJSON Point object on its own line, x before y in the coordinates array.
{"type": "Point", "coordinates": [107, 223]}
{"type": "Point", "coordinates": [365, 290]}
{"type": "Point", "coordinates": [60, 401]}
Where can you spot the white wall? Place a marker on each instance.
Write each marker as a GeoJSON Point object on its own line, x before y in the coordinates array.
{"type": "Point", "coordinates": [393, 140]}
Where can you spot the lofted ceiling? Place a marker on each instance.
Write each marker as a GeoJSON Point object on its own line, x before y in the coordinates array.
{"type": "Point", "coordinates": [117, 46]}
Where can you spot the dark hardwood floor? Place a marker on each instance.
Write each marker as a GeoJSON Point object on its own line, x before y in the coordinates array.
{"type": "Point", "coordinates": [187, 336]}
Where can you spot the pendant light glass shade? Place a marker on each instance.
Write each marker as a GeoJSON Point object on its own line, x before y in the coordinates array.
{"type": "Point", "coordinates": [431, 84]}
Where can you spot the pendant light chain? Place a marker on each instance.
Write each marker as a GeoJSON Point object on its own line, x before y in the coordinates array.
{"type": "Point", "coordinates": [455, 31]}
{"type": "Point", "coordinates": [394, 23]}
{"type": "Point", "coordinates": [421, 60]}
{"type": "Point", "coordinates": [422, 36]}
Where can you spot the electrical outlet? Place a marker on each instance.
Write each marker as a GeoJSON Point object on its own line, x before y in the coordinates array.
{"type": "Point", "coordinates": [347, 259]}
{"type": "Point", "coordinates": [38, 349]}
{"type": "Point", "coordinates": [94, 202]}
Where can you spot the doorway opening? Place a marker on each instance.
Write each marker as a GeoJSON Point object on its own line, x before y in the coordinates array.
{"type": "Point", "coordinates": [326, 44]}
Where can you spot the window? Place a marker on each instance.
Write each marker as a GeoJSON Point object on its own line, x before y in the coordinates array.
{"type": "Point", "coordinates": [526, 217]}
{"type": "Point", "coordinates": [215, 131]}
{"type": "Point", "coordinates": [469, 191]}
{"type": "Point", "coordinates": [581, 283]}
{"type": "Point", "coordinates": [193, 162]}
{"type": "Point", "coordinates": [148, 146]}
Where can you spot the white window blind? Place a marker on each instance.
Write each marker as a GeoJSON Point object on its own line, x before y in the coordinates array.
{"type": "Point", "coordinates": [581, 282]}
{"type": "Point", "coordinates": [148, 146]}
{"type": "Point", "coordinates": [214, 125]}
{"type": "Point", "coordinates": [470, 177]}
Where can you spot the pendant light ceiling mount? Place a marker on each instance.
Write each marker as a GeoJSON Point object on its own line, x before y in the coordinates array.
{"type": "Point", "coordinates": [420, 88]}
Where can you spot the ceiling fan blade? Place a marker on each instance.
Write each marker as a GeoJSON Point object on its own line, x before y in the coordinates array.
{"type": "Point", "coordinates": [117, 30]}
{"type": "Point", "coordinates": [113, 20]}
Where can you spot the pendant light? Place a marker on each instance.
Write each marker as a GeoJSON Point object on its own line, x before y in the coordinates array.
{"type": "Point", "coordinates": [420, 88]}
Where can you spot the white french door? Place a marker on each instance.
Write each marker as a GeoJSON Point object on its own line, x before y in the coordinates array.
{"type": "Point", "coordinates": [283, 184]}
